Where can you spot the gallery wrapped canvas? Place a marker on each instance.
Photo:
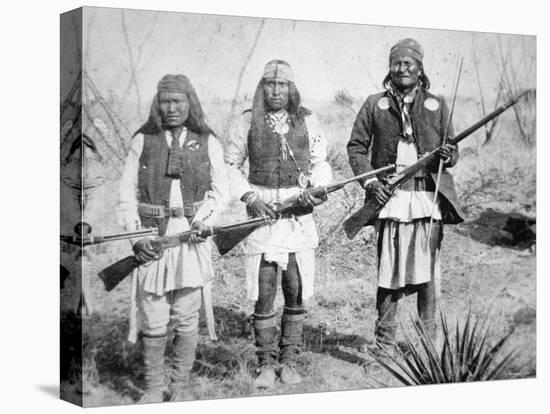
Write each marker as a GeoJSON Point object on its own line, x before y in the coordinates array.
{"type": "Point", "coordinates": [255, 206]}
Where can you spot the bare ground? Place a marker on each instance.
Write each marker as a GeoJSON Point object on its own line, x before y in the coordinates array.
{"type": "Point", "coordinates": [482, 271]}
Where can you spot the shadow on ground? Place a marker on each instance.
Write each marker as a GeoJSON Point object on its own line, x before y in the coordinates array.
{"type": "Point", "coordinates": [495, 228]}
{"type": "Point", "coordinates": [50, 390]}
{"type": "Point", "coordinates": [109, 360]}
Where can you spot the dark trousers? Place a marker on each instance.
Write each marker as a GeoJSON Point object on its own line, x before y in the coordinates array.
{"type": "Point", "coordinates": [386, 305]}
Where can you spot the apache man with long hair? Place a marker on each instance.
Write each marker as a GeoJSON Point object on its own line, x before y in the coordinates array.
{"type": "Point", "coordinates": [398, 126]}
{"type": "Point", "coordinates": [286, 150]}
{"type": "Point", "coordinates": [174, 179]}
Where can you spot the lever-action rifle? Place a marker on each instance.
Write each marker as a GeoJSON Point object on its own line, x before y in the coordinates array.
{"type": "Point", "coordinates": [228, 236]}
{"type": "Point", "coordinates": [288, 208]}
{"type": "Point", "coordinates": [371, 208]}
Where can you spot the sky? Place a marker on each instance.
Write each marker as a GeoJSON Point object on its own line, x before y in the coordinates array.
{"type": "Point", "coordinates": [213, 50]}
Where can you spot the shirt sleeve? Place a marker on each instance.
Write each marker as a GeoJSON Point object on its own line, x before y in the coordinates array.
{"type": "Point", "coordinates": [127, 211]}
{"type": "Point", "coordinates": [359, 142]}
{"type": "Point", "coordinates": [217, 198]}
{"type": "Point", "coordinates": [236, 153]}
{"type": "Point", "coordinates": [321, 173]}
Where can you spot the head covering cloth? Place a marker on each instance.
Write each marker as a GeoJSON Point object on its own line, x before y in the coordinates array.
{"type": "Point", "coordinates": [407, 48]}
{"type": "Point", "coordinates": [174, 83]}
{"type": "Point", "coordinates": [278, 69]}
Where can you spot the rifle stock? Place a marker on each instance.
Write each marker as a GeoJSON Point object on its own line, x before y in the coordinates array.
{"type": "Point", "coordinates": [226, 242]}
{"type": "Point", "coordinates": [117, 272]}
{"type": "Point", "coordinates": [370, 210]}
{"type": "Point", "coordinates": [361, 217]}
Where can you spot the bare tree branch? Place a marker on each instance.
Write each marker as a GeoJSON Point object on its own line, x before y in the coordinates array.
{"type": "Point", "coordinates": [139, 55]}
{"type": "Point", "coordinates": [113, 117]}
{"type": "Point", "coordinates": [231, 115]}
{"type": "Point", "coordinates": [512, 89]}
{"type": "Point", "coordinates": [132, 63]}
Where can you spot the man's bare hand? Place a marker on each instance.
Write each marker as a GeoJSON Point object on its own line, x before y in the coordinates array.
{"type": "Point", "coordinates": [258, 208]}
{"type": "Point", "coordinates": [445, 152]}
{"type": "Point", "coordinates": [379, 192]}
{"type": "Point", "coordinates": [308, 200]}
{"type": "Point", "coordinates": [144, 251]}
{"type": "Point", "coordinates": [199, 227]}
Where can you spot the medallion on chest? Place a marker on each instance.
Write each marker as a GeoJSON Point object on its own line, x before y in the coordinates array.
{"type": "Point", "coordinates": [384, 103]}
{"type": "Point", "coordinates": [193, 145]}
{"type": "Point", "coordinates": [431, 104]}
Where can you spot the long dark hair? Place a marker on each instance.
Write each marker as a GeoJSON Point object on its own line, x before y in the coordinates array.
{"type": "Point", "coordinates": [195, 120]}
{"type": "Point", "coordinates": [423, 79]}
{"type": "Point", "coordinates": [296, 112]}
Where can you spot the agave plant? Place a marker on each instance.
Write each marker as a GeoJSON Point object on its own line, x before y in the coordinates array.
{"type": "Point", "coordinates": [464, 355]}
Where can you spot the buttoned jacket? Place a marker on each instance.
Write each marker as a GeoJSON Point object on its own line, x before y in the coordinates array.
{"type": "Point", "coordinates": [378, 129]}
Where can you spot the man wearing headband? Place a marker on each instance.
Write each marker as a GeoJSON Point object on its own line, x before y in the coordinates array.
{"type": "Point", "coordinates": [286, 150]}
{"type": "Point", "coordinates": [398, 126]}
{"type": "Point", "coordinates": [174, 179]}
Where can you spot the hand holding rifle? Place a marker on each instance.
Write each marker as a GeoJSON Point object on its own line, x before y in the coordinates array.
{"type": "Point", "coordinates": [199, 229]}
{"type": "Point", "coordinates": [257, 207]}
{"type": "Point", "coordinates": [445, 152]}
{"type": "Point", "coordinates": [378, 191]}
{"type": "Point", "coordinates": [307, 199]}
{"type": "Point", "coordinates": [145, 251]}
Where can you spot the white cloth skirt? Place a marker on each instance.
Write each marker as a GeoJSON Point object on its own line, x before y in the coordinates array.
{"type": "Point", "coordinates": [404, 256]}
{"type": "Point", "coordinates": [275, 241]}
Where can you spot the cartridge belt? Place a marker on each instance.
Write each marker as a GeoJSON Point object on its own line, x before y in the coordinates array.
{"type": "Point", "coordinates": [158, 211]}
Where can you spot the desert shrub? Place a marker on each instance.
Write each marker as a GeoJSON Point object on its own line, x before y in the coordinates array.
{"type": "Point", "coordinates": [465, 355]}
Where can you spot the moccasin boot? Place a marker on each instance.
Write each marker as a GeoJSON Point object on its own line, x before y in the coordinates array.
{"type": "Point", "coordinates": [291, 344]}
{"type": "Point", "coordinates": [153, 363]}
{"type": "Point", "coordinates": [265, 333]}
{"type": "Point", "coordinates": [288, 375]}
{"type": "Point", "coordinates": [266, 377]}
{"type": "Point", "coordinates": [183, 357]}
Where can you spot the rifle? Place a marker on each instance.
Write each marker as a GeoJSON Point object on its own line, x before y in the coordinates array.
{"type": "Point", "coordinates": [288, 208]}
{"type": "Point", "coordinates": [370, 210]}
{"type": "Point", "coordinates": [228, 236]}
{"type": "Point", "coordinates": [88, 240]}
{"type": "Point", "coordinates": [115, 273]}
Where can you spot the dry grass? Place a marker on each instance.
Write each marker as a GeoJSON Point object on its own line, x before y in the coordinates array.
{"type": "Point", "coordinates": [476, 270]}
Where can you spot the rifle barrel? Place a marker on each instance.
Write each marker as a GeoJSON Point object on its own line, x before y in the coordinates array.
{"type": "Point", "coordinates": [487, 118]}
{"type": "Point", "coordinates": [339, 184]}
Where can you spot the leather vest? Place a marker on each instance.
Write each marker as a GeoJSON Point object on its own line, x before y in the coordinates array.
{"type": "Point", "coordinates": [153, 183]}
{"type": "Point", "coordinates": [267, 168]}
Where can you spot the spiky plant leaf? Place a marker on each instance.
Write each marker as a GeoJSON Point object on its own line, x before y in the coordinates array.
{"type": "Point", "coordinates": [429, 350]}
{"type": "Point", "coordinates": [497, 370]}
{"type": "Point", "coordinates": [464, 355]}
{"type": "Point", "coordinates": [412, 379]}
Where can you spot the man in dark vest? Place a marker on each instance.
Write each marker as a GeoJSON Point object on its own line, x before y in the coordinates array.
{"type": "Point", "coordinates": [287, 151]}
{"type": "Point", "coordinates": [398, 126]}
{"type": "Point", "coordinates": [174, 179]}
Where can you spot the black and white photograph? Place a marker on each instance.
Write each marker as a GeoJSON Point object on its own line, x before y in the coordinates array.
{"type": "Point", "coordinates": [257, 206]}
